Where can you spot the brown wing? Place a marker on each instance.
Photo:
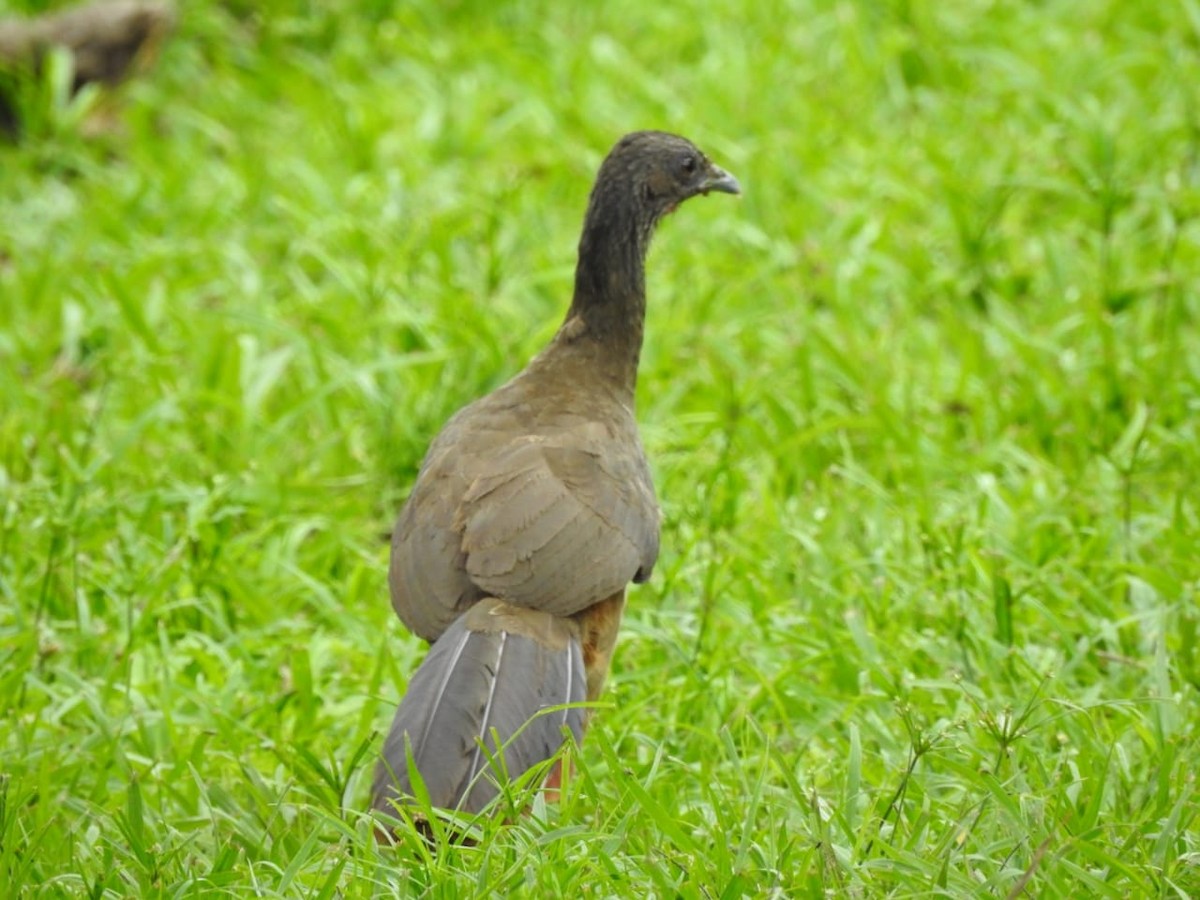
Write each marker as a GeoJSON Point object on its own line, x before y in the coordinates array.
{"type": "Point", "coordinates": [559, 524]}
{"type": "Point", "coordinates": [554, 522]}
{"type": "Point", "coordinates": [427, 576]}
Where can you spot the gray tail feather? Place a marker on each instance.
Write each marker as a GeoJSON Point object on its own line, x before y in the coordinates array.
{"type": "Point", "coordinates": [490, 676]}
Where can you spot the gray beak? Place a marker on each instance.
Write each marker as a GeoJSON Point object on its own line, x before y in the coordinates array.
{"type": "Point", "coordinates": [718, 179]}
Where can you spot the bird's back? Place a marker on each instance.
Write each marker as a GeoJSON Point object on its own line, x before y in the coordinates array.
{"type": "Point", "coordinates": [537, 494]}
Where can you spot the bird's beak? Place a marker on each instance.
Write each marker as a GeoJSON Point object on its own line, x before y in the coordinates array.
{"type": "Point", "coordinates": [718, 179]}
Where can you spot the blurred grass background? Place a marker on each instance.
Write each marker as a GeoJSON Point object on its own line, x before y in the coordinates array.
{"type": "Point", "coordinates": [922, 411]}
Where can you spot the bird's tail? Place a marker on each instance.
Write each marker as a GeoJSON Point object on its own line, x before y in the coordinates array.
{"type": "Point", "coordinates": [489, 701]}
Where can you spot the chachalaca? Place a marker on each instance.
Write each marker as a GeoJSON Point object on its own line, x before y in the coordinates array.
{"type": "Point", "coordinates": [532, 511]}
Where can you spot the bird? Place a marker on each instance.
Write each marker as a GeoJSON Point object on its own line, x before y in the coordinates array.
{"type": "Point", "coordinates": [108, 41]}
{"type": "Point", "coordinates": [531, 513]}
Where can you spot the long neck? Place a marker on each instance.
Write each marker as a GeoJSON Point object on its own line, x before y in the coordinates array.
{"type": "Point", "coordinates": [606, 320]}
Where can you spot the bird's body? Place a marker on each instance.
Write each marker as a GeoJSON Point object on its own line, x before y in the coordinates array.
{"type": "Point", "coordinates": [532, 512]}
{"type": "Point", "coordinates": [542, 498]}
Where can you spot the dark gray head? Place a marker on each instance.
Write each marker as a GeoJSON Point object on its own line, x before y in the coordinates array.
{"type": "Point", "coordinates": [649, 173]}
{"type": "Point", "coordinates": [663, 170]}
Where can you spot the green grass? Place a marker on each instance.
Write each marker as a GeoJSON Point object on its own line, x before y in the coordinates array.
{"type": "Point", "coordinates": [923, 411]}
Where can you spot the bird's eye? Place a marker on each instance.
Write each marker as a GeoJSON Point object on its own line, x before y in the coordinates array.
{"type": "Point", "coordinates": [689, 164]}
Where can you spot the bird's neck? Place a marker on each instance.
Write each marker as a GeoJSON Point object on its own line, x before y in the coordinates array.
{"type": "Point", "coordinates": [606, 320]}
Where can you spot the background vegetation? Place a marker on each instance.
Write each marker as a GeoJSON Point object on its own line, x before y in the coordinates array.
{"type": "Point", "coordinates": [923, 413]}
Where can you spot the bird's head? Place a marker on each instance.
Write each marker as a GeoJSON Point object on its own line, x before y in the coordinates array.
{"type": "Point", "coordinates": [658, 171]}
